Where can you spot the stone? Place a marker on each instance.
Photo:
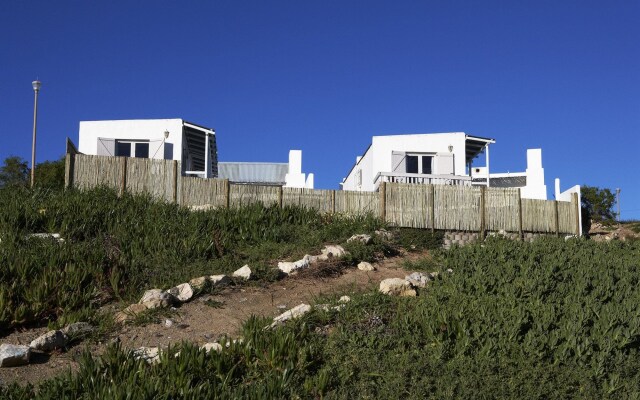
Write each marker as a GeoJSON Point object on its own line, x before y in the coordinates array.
{"type": "Point", "coordinates": [77, 330]}
{"type": "Point", "coordinates": [156, 298]}
{"type": "Point", "coordinates": [168, 323]}
{"type": "Point", "coordinates": [384, 234]}
{"type": "Point", "coordinates": [12, 355]}
{"type": "Point", "coordinates": [293, 313]}
{"type": "Point", "coordinates": [129, 313]}
{"type": "Point", "coordinates": [182, 292]}
{"type": "Point", "coordinates": [149, 354]}
{"type": "Point", "coordinates": [207, 347]}
{"type": "Point", "coordinates": [331, 251]}
{"type": "Point", "coordinates": [344, 299]}
{"type": "Point", "coordinates": [365, 266]}
{"type": "Point", "coordinates": [198, 283]}
{"type": "Point", "coordinates": [397, 287]}
{"type": "Point", "coordinates": [418, 279]}
{"type": "Point", "coordinates": [362, 238]}
{"type": "Point", "coordinates": [49, 341]}
{"type": "Point", "coordinates": [244, 273]}
{"type": "Point", "coordinates": [449, 270]}
{"type": "Point", "coordinates": [291, 267]}
{"type": "Point", "coordinates": [219, 280]}
{"type": "Point", "coordinates": [52, 236]}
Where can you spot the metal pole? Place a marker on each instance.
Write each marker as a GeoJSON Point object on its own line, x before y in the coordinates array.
{"type": "Point", "coordinates": [618, 201]}
{"type": "Point", "coordinates": [36, 89]}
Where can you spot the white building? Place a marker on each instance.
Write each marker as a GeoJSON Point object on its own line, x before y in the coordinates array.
{"type": "Point", "coordinates": [164, 139]}
{"type": "Point", "coordinates": [439, 158]}
{"type": "Point", "coordinates": [193, 145]}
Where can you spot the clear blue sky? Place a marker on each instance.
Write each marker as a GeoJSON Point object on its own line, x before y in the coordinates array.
{"type": "Point", "coordinates": [325, 76]}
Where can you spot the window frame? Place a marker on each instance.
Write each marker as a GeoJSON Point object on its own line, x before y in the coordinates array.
{"type": "Point", "coordinates": [420, 157]}
{"type": "Point", "coordinates": [132, 147]}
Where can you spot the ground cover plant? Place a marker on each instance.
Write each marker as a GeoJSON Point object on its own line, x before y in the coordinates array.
{"type": "Point", "coordinates": [551, 319]}
{"type": "Point", "coordinates": [116, 247]}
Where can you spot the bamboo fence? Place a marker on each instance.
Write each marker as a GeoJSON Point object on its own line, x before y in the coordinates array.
{"type": "Point", "coordinates": [441, 207]}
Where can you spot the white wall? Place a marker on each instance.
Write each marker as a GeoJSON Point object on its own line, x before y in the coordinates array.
{"type": "Point", "coordinates": [152, 130]}
{"type": "Point", "coordinates": [378, 157]}
{"type": "Point", "coordinates": [566, 196]}
{"type": "Point", "coordinates": [295, 177]}
{"type": "Point", "coordinates": [535, 189]}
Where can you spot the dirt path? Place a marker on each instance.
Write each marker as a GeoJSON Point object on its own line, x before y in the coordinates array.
{"type": "Point", "coordinates": [209, 317]}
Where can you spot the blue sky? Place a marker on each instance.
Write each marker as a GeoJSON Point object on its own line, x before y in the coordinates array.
{"type": "Point", "coordinates": [324, 77]}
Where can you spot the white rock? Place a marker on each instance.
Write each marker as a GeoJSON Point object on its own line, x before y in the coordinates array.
{"type": "Point", "coordinates": [295, 312]}
{"type": "Point", "coordinates": [12, 355]}
{"type": "Point", "coordinates": [332, 251]}
{"type": "Point", "coordinates": [54, 236]}
{"type": "Point", "coordinates": [386, 235]}
{"type": "Point", "coordinates": [449, 270]}
{"type": "Point", "coordinates": [219, 280]}
{"type": "Point", "coordinates": [49, 341]}
{"type": "Point", "coordinates": [156, 298]}
{"type": "Point", "coordinates": [168, 323]}
{"type": "Point", "coordinates": [198, 283]}
{"type": "Point", "coordinates": [418, 279]}
{"type": "Point", "coordinates": [182, 292]}
{"type": "Point", "coordinates": [344, 299]}
{"type": "Point", "coordinates": [365, 266]}
{"type": "Point", "coordinates": [244, 273]}
{"type": "Point", "coordinates": [363, 238]}
{"type": "Point", "coordinates": [129, 313]}
{"type": "Point", "coordinates": [149, 354]}
{"type": "Point", "coordinates": [434, 274]}
{"type": "Point", "coordinates": [397, 287]}
{"type": "Point", "coordinates": [323, 307]}
{"type": "Point", "coordinates": [207, 347]}
{"type": "Point", "coordinates": [291, 267]}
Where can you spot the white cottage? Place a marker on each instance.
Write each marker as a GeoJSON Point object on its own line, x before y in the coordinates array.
{"type": "Point", "coordinates": [439, 158]}
{"type": "Point", "coordinates": [164, 139]}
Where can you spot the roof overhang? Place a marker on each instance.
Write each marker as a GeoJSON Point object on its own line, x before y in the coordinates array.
{"type": "Point", "coordinates": [475, 145]}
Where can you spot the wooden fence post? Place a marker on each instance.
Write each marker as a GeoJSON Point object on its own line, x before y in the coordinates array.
{"type": "Point", "coordinates": [123, 177]}
{"type": "Point", "coordinates": [333, 201]}
{"type": "Point", "coordinates": [520, 233]}
{"type": "Point", "coordinates": [280, 194]}
{"type": "Point", "coordinates": [432, 207]}
{"type": "Point", "coordinates": [227, 193]}
{"type": "Point", "coordinates": [483, 200]}
{"type": "Point", "coordinates": [383, 200]}
{"type": "Point", "coordinates": [69, 170]}
{"type": "Point", "coordinates": [574, 199]}
{"type": "Point", "coordinates": [175, 181]}
{"type": "Point", "coordinates": [556, 217]}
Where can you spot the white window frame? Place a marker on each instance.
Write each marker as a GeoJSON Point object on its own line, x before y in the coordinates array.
{"type": "Point", "coordinates": [420, 155]}
{"type": "Point", "coordinates": [133, 147]}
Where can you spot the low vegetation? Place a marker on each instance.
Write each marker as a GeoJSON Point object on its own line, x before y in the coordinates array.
{"type": "Point", "coordinates": [551, 319]}
{"type": "Point", "coordinates": [116, 247]}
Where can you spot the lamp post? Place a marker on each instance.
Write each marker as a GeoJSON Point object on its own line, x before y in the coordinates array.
{"type": "Point", "coordinates": [36, 88]}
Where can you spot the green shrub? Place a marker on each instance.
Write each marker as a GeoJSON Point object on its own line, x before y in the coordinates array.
{"type": "Point", "coordinates": [419, 239]}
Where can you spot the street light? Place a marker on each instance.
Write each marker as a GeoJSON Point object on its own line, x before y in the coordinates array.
{"type": "Point", "coordinates": [36, 88]}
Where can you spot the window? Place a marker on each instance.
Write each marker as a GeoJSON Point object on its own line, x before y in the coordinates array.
{"type": "Point", "coordinates": [419, 164]}
{"type": "Point", "coordinates": [127, 148]}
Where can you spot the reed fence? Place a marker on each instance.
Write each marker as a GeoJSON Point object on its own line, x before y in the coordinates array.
{"type": "Point", "coordinates": [460, 208]}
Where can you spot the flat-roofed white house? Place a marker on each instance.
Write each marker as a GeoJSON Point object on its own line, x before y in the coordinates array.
{"type": "Point", "coordinates": [163, 139]}
{"type": "Point", "coordinates": [439, 158]}
{"type": "Point", "coordinates": [191, 144]}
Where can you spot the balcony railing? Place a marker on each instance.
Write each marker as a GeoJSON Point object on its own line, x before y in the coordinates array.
{"type": "Point", "coordinates": [421, 179]}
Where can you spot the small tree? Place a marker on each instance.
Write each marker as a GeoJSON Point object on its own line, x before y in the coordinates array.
{"type": "Point", "coordinates": [14, 172]}
{"type": "Point", "coordinates": [597, 206]}
{"type": "Point", "coordinates": [50, 174]}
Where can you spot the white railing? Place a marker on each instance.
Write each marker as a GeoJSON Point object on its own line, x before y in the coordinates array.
{"type": "Point", "coordinates": [421, 179]}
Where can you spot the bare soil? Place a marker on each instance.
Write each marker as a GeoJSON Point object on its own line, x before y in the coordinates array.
{"type": "Point", "coordinates": [210, 317]}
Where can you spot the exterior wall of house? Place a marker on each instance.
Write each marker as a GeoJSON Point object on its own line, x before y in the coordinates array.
{"type": "Point", "coordinates": [379, 156]}
{"type": "Point", "coordinates": [566, 196]}
{"type": "Point", "coordinates": [295, 177]}
{"type": "Point", "coordinates": [535, 188]}
{"type": "Point", "coordinates": [151, 130]}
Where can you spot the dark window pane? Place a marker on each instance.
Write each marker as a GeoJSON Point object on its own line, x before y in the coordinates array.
{"type": "Point", "coordinates": [123, 149]}
{"type": "Point", "coordinates": [412, 164]}
{"type": "Point", "coordinates": [142, 150]}
{"type": "Point", "coordinates": [426, 164]}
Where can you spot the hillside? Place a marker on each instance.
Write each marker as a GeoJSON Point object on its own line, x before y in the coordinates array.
{"type": "Point", "coordinates": [550, 319]}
